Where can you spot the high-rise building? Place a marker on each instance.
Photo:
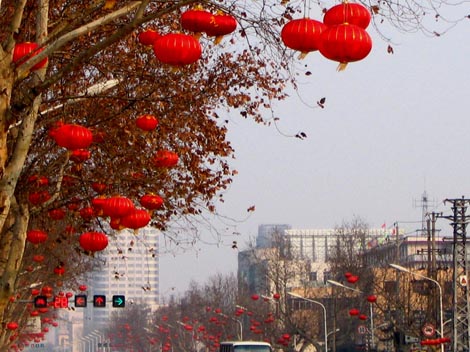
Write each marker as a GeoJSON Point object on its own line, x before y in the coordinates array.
{"type": "Point", "coordinates": [130, 267]}
{"type": "Point", "coordinates": [266, 232]}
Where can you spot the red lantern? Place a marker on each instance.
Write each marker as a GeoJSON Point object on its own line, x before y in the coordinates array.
{"type": "Point", "coordinates": [362, 317]}
{"type": "Point", "coordinates": [196, 20]}
{"type": "Point", "coordinates": [353, 312]}
{"type": "Point", "coordinates": [188, 327]}
{"type": "Point", "coordinates": [117, 206]}
{"type": "Point", "coordinates": [93, 241]}
{"type": "Point", "coordinates": [24, 51]}
{"type": "Point", "coordinates": [115, 224]}
{"type": "Point", "coordinates": [12, 326]}
{"type": "Point", "coordinates": [147, 122]}
{"type": "Point", "coordinates": [35, 292]}
{"type": "Point", "coordinates": [255, 297]}
{"type": "Point", "coordinates": [59, 270]}
{"type": "Point", "coordinates": [137, 219]}
{"type": "Point", "coordinates": [347, 275]}
{"type": "Point", "coordinates": [56, 214]}
{"type": "Point", "coordinates": [148, 37]}
{"type": "Point", "coordinates": [38, 181]}
{"type": "Point", "coordinates": [220, 25]}
{"type": "Point", "coordinates": [177, 49]}
{"type": "Point", "coordinates": [36, 236]}
{"type": "Point", "coordinates": [285, 336]}
{"type": "Point", "coordinates": [36, 198]}
{"type": "Point", "coordinates": [98, 204]}
{"type": "Point", "coordinates": [347, 12]}
{"type": "Point", "coordinates": [47, 291]}
{"type": "Point", "coordinates": [151, 201]}
{"type": "Point", "coordinates": [99, 187]}
{"type": "Point", "coordinates": [165, 158]}
{"type": "Point", "coordinates": [80, 155]}
{"type": "Point", "coordinates": [353, 279]}
{"type": "Point", "coordinates": [87, 213]}
{"type": "Point", "coordinates": [276, 296]}
{"type": "Point", "coordinates": [371, 298]}
{"type": "Point", "coordinates": [72, 136]}
{"type": "Point", "coordinates": [302, 35]}
{"type": "Point", "coordinates": [345, 43]}
{"type": "Point", "coordinates": [82, 288]}
{"type": "Point", "coordinates": [38, 258]}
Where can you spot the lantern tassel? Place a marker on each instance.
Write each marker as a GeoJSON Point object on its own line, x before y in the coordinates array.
{"type": "Point", "coordinates": [302, 55]}
{"type": "Point", "coordinates": [342, 66]}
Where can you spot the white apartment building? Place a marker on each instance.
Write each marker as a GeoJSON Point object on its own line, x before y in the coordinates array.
{"type": "Point", "coordinates": [129, 267]}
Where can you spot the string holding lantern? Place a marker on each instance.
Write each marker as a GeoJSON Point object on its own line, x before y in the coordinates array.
{"type": "Point", "coordinates": [303, 35]}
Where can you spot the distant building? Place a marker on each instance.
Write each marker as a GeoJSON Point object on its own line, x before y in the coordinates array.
{"type": "Point", "coordinates": [264, 239]}
{"type": "Point", "coordinates": [129, 267]}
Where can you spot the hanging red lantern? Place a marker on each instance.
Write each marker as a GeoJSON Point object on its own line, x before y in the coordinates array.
{"type": "Point", "coordinates": [285, 336]}
{"type": "Point", "coordinates": [255, 297]}
{"type": "Point", "coordinates": [35, 292]}
{"type": "Point", "coordinates": [117, 207]}
{"type": "Point", "coordinates": [38, 258]}
{"type": "Point", "coordinates": [12, 325]}
{"type": "Point", "coordinates": [177, 49]}
{"type": "Point", "coordinates": [59, 270]}
{"type": "Point", "coordinates": [302, 35]}
{"type": "Point", "coordinates": [165, 158]}
{"type": "Point", "coordinates": [99, 187]}
{"type": "Point", "coordinates": [137, 219]}
{"type": "Point", "coordinates": [151, 201]}
{"type": "Point", "coordinates": [220, 25]}
{"type": "Point", "coordinates": [188, 327]}
{"type": "Point", "coordinates": [56, 214]}
{"type": "Point", "coordinates": [345, 43]}
{"type": "Point", "coordinates": [371, 298]}
{"type": "Point", "coordinates": [147, 122]}
{"type": "Point", "coordinates": [87, 213]}
{"type": "Point", "coordinates": [115, 224]}
{"type": "Point", "coordinates": [38, 181]}
{"type": "Point", "coordinates": [347, 12]}
{"type": "Point", "coordinates": [148, 37]}
{"type": "Point", "coordinates": [82, 287]}
{"type": "Point", "coordinates": [353, 312]}
{"type": "Point", "coordinates": [37, 198]}
{"type": "Point", "coordinates": [347, 275]}
{"type": "Point", "coordinates": [80, 155]}
{"type": "Point", "coordinates": [36, 236]}
{"type": "Point", "coordinates": [276, 296]}
{"type": "Point", "coordinates": [196, 20]}
{"type": "Point", "coordinates": [93, 241]}
{"type": "Point", "coordinates": [98, 204]}
{"type": "Point", "coordinates": [24, 51]}
{"type": "Point", "coordinates": [47, 291]}
{"type": "Point", "coordinates": [353, 279]}
{"type": "Point", "coordinates": [72, 137]}
{"type": "Point", "coordinates": [362, 317]}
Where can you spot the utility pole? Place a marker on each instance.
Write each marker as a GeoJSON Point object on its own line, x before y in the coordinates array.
{"type": "Point", "coordinates": [459, 221]}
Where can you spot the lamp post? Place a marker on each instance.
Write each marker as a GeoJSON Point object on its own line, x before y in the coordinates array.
{"type": "Point", "coordinates": [441, 322]}
{"type": "Point", "coordinates": [324, 314]}
{"type": "Point", "coordinates": [372, 335]}
{"type": "Point", "coordinates": [240, 325]}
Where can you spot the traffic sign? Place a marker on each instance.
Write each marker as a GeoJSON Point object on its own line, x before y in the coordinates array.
{"type": "Point", "coordinates": [99, 301]}
{"type": "Point", "coordinates": [428, 330]}
{"type": "Point", "coordinates": [119, 301]}
{"type": "Point", "coordinates": [361, 329]}
{"type": "Point", "coordinates": [80, 301]}
{"type": "Point", "coordinates": [40, 302]}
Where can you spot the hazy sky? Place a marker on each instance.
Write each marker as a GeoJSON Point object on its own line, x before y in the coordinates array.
{"type": "Point", "coordinates": [393, 126]}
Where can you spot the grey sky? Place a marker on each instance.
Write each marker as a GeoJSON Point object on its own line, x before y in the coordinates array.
{"type": "Point", "coordinates": [392, 127]}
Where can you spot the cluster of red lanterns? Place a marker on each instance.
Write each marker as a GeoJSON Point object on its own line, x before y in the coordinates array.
{"type": "Point", "coordinates": [341, 37]}
{"type": "Point", "coordinates": [179, 49]}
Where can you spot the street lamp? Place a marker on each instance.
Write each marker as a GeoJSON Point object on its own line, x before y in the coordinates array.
{"type": "Point", "coordinates": [324, 314]}
{"type": "Point", "coordinates": [372, 335]}
{"type": "Point", "coordinates": [406, 270]}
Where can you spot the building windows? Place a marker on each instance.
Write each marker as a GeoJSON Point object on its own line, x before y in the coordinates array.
{"type": "Point", "coordinates": [313, 276]}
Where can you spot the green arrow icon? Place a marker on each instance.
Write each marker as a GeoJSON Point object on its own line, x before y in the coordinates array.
{"type": "Point", "coordinates": [119, 301]}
